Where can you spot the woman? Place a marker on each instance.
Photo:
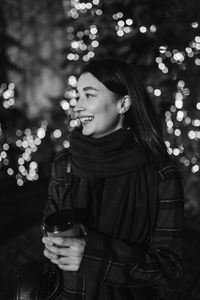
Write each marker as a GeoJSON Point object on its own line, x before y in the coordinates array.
{"type": "Point", "coordinates": [130, 189]}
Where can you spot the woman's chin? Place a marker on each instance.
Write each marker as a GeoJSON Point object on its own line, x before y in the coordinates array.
{"type": "Point", "coordinates": [87, 131]}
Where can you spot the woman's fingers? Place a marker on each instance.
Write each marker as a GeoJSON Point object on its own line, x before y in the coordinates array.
{"type": "Point", "coordinates": [65, 246]}
{"type": "Point", "coordinates": [73, 268]}
{"type": "Point", "coordinates": [50, 255]}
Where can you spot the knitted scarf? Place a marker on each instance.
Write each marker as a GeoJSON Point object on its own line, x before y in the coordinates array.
{"type": "Point", "coordinates": [116, 182]}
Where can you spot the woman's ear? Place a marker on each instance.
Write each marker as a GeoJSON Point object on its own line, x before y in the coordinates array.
{"type": "Point", "coordinates": [124, 104]}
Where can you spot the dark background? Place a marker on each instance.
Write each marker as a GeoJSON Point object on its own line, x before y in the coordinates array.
{"type": "Point", "coordinates": [43, 45]}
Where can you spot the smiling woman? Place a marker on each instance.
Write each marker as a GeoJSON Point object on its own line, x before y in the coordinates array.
{"type": "Point", "coordinates": [126, 184]}
{"type": "Point", "coordinates": [98, 109]}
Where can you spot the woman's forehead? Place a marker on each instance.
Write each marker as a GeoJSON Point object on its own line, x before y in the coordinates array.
{"type": "Point", "coordinates": [88, 81]}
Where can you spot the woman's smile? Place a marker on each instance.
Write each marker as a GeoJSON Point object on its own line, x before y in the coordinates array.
{"type": "Point", "coordinates": [97, 107]}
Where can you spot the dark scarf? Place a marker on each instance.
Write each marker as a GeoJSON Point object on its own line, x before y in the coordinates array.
{"type": "Point", "coordinates": [117, 182]}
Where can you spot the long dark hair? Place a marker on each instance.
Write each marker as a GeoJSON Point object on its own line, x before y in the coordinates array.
{"type": "Point", "coordinates": [123, 79]}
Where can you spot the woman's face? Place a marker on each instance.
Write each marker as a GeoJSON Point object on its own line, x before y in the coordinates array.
{"type": "Point", "coordinates": [97, 107]}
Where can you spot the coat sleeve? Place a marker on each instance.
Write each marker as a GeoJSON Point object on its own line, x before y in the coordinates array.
{"type": "Point", "coordinates": [117, 263]}
{"type": "Point", "coordinates": [58, 183]}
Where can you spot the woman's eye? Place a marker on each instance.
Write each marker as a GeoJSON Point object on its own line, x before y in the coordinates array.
{"type": "Point", "coordinates": [89, 96]}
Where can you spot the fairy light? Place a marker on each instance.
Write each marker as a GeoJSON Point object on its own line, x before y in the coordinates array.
{"type": "Point", "coordinates": [194, 24]}
{"type": "Point", "coordinates": [57, 133]}
{"type": "Point", "coordinates": [195, 169]}
{"type": "Point", "coordinates": [129, 22]}
{"type": "Point", "coordinates": [65, 105]}
{"type": "Point", "coordinates": [153, 28]}
{"type": "Point", "coordinates": [157, 92]}
{"type": "Point", "coordinates": [198, 105]}
{"type": "Point", "coordinates": [143, 29]}
{"type": "Point", "coordinates": [162, 49]}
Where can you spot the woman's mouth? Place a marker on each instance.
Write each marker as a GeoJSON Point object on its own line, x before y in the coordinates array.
{"type": "Point", "coordinates": [86, 119]}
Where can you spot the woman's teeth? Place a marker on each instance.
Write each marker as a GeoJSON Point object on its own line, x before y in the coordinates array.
{"type": "Point", "coordinates": [86, 119]}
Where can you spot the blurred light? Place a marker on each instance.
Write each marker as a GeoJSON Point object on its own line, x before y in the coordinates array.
{"type": "Point", "coordinates": [95, 2]}
{"type": "Point", "coordinates": [196, 122]}
{"type": "Point", "coordinates": [180, 115]}
{"type": "Point", "coordinates": [90, 54]}
{"type": "Point", "coordinates": [176, 152]}
{"type": "Point", "coordinates": [11, 86]}
{"type": "Point", "coordinates": [157, 92]}
{"type": "Point", "coordinates": [129, 22]}
{"type": "Point", "coordinates": [169, 150]}
{"type": "Point", "coordinates": [6, 147]}
{"type": "Point", "coordinates": [37, 141]}
{"type": "Point", "coordinates": [197, 61]}
{"type": "Point", "coordinates": [181, 84]}
{"type": "Point", "coordinates": [143, 29]}
{"type": "Point", "coordinates": [73, 123]}
{"type": "Point", "coordinates": [158, 60]}
{"type": "Point", "coordinates": [162, 49]}
{"type": "Point", "coordinates": [165, 70]}
{"type": "Point", "coordinates": [188, 50]}
{"type": "Point", "coordinates": [198, 105]}
{"type": "Point", "coordinates": [3, 154]}
{"type": "Point", "coordinates": [25, 144]}
{"type": "Point", "coordinates": [187, 120]}
{"type": "Point", "coordinates": [179, 104]}
{"type": "Point", "coordinates": [197, 39]}
{"type": "Point", "coordinates": [72, 80]}
{"type": "Point", "coordinates": [57, 133]}
{"type": "Point", "coordinates": [120, 32]}
{"type": "Point", "coordinates": [194, 24]}
{"type": "Point", "coordinates": [170, 124]}
{"type": "Point", "coordinates": [150, 89]}
{"type": "Point", "coordinates": [21, 161]}
{"type": "Point", "coordinates": [26, 156]}
{"type": "Point", "coordinates": [178, 56]}
{"type": "Point", "coordinates": [70, 56]}
{"type": "Point", "coordinates": [195, 169]}
{"type": "Point", "coordinates": [120, 15]}
{"type": "Point", "coordinates": [33, 165]}
{"type": "Point", "coordinates": [168, 54]}
{"type": "Point", "coordinates": [18, 143]}
{"type": "Point", "coordinates": [88, 5]}
{"type": "Point", "coordinates": [10, 171]}
{"type": "Point", "coordinates": [173, 108]}
{"type": "Point", "coordinates": [153, 28]}
{"type": "Point", "coordinates": [64, 104]}
{"type": "Point", "coordinates": [93, 30]}
{"type": "Point", "coordinates": [99, 12]}
{"type": "Point", "coordinates": [177, 132]}
{"type": "Point", "coordinates": [193, 160]}
{"type": "Point", "coordinates": [20, 182]}
{"type": "Point", "coordinates": [168, 114]}
{"type": "Point", "coordinates": [191, 134]}
{"type": "Point", "coordinates": [85, 58]}
{"type": "Point", "coordinates": [73, 102]}
{"type": "Point", "coordinates": [95, 44]}
{"type": "Point", "coordinates": [41, 133]}
{"type": "Point", "coordinates": [121, 23]}
{"type": "Point", "coordinates": [66, 144]}
{"type": "Point", "coordinates": [161, 66]}
{"type": "Point", "coordinates": [186, 162]}
{"type": "Point", "coordinates": [127, 29]}
{"type": "Point", "coordinates": [6, 162]}
{"type": "Point", "coordinates": [18, 132]}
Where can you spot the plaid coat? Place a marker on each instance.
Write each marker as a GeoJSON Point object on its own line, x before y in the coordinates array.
{"type": "Point", "coordinates": [112, 269]}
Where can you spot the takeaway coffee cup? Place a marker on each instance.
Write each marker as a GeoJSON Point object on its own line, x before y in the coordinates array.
{"type": "Point", "coordinates": [63, 222]}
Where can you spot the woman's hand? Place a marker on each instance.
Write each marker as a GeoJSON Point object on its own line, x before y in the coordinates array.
{"type": "Point", "coordinates": [66, 252]}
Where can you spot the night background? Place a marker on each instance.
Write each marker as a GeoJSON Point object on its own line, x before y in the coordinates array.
{"type": "Point", "coordinates": [43, 45]}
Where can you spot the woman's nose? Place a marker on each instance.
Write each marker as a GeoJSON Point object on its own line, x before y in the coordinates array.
{"type": "Point", "coordinates": [79, 105]}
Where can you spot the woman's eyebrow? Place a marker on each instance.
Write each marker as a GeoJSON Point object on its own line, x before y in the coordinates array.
{"type": "Point", "coordinates": [90, 88]}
